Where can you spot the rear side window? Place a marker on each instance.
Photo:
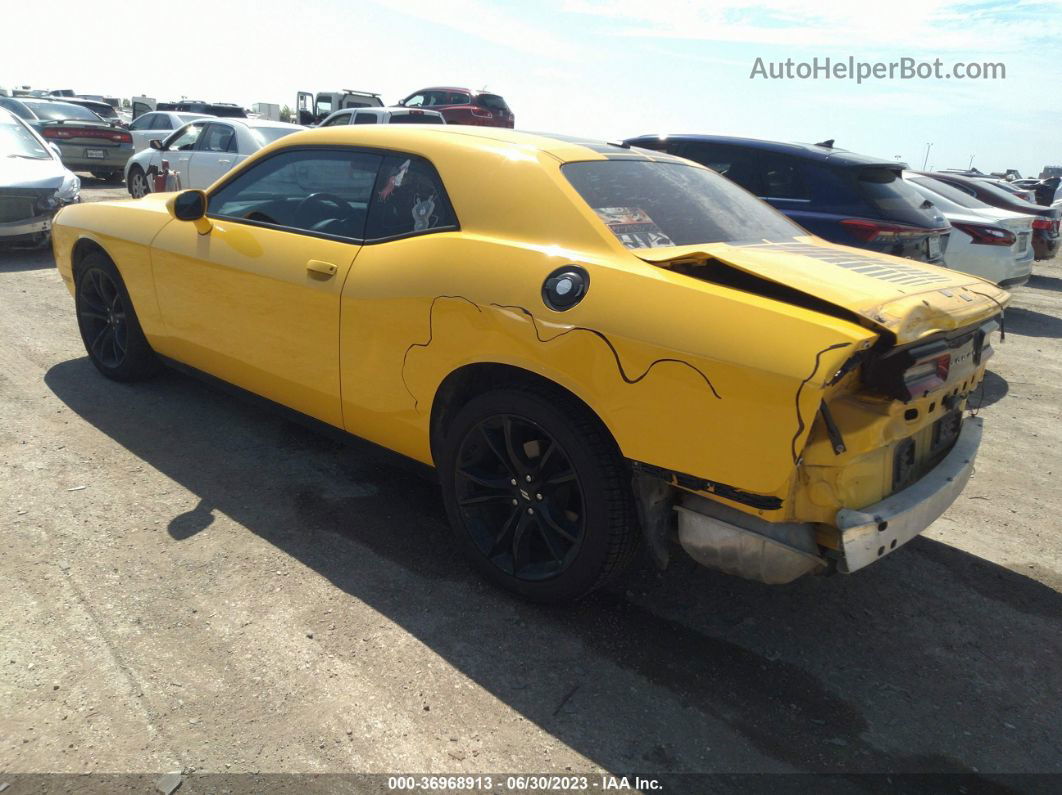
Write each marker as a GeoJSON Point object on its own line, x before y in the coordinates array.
{"type": "Point", "coordinates": [408, 198]}
{"type": "Point", "coordinates": [736, 164]}
{"type": "Point", "coordinates": [886, 191]}
{"type": "Point", "coordinates": [652, 204]}
{"type": "Point", "coordinates": [217, 138]}
{"type": "Point", "coordinates": [959, 197]}
{"type": "Point", "coordinates": [783, 178]}
{"type": "Point", "coordinates": [366, 118]}
{"type": "Point", "coordinates": [161, 121]}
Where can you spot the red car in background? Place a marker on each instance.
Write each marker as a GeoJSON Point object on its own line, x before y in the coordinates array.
{"type": "Point", "coordinates": [463, 106]}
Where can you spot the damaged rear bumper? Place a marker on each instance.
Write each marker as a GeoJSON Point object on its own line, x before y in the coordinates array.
{"type": "Point", "coordinates": [870, 533]}
{"type": "Point", "coordinates": [737, 543]}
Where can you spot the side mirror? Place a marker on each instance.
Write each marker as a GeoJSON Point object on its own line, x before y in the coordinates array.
{"type": "Point", "coordinates": [155, 143]}
{"type": "Point", "coordinates": [191, 205]}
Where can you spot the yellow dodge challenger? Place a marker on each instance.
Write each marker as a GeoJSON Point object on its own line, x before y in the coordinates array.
{"type": "Point", "coordinates": [595, 346]}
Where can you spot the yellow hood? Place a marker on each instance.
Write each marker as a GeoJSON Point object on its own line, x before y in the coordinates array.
{"type": "Point", "coordinates": [907, 298]}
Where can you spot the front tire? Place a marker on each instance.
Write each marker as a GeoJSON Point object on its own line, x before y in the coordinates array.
{"type": "Point", "coordinates": [138, 183]}
{"type": "Point", "coordinates": [537, 493]}
{"type": "Point", "coordinates": [108, 323]}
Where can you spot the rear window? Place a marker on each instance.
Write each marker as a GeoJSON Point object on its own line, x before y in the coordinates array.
{"type": "Point", "coordinates": [650, 204]}
{"type": "Point", "coordinates": [886, 191]}
{"type": "Point", "coordinates": [959, 197]}
{"type": "Point", "coordinates": [492, 101]}
{"type": "Point", "coordinates": [416, 118]}
{"type": "Point", "coordinates": [266, 135]}
{"type": "Point", "coordinates": [56, 111]}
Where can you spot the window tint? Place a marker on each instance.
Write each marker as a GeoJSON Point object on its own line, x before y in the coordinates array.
{"type": "Point", "coordinates": [143, 123]}
{"type": "Point", "coordinates": [782, 178]}
{"type": "Point", "coordinates": [342, 118]}
{"type": "Point", "coordinates": [184, 139]}
{"type": "Point", "coordinates": [960, 197]}
{"type": "Point", "coordinates": [491, 101]}
{"type": "Point", "coordinates": [161, 121]}
{"type": "Point", "coordinates": [408, 197]}
{"type": "Point", "coordinates": [366, 118]}
{"type": "Point", "coordinates": [886, 191]}
{"type": "Point", "coordinates": [458, 98]}
{"type": "Point", "coordinates": [414, 101]}
{"type": "Point", "coordinates": [55, 111]}
{"type": "Point", "coordinates": [650, 204]}
{"type": "Point", "coordinates": [325, 191]}
{"type": "Point", "coordinates": [736, 164]}
{"type": "Point", "coordinates": [217, 138]}
{"type": "Point", "coordinates": [436, 98]}
{"type": "Point", "coordinates": [16, 107]}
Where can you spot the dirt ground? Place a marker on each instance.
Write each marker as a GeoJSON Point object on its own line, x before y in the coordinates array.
{"type": "Point", "coordinates": [194, 583]}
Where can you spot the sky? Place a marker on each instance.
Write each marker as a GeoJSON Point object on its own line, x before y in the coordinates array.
{"type": "Point", "coordinates": [599, 68]}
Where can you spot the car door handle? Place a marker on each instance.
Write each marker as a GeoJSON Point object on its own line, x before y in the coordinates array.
{"type": "Point", "coordinates": [324, 268]}
{"type": "Point", "coordinates": [224, 161]}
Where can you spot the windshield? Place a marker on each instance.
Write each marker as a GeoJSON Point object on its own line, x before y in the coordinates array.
{"type": "Point", "coordinates": [266, 135]}
{"type": "Point", "coordinates": [959, 197]}
{"type": "Point", "coordinates": [649, 204]}
{"type": "Point", "coordinates": [17, 141]}
{"type": "Point", "coordinates": [56, 111]}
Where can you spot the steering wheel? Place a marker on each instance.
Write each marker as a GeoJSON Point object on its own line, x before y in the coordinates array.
{"type": "Point", "coordinates": [345, 211]}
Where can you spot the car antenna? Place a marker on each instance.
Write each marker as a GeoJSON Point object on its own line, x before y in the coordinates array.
{"type": "Point", "coordinates": [828, 143]}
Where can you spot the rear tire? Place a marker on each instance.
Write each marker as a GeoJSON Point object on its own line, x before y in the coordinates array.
{"type": "Point", "coordinates": [537, 493]}
{"type": "Point", "coordinates": [108, 323]}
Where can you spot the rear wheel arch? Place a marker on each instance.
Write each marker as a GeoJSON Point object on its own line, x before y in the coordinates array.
{"type": "Point", "coordinates": [472, 380]}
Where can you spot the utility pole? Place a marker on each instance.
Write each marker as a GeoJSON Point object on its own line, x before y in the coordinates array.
{"type": "Point", "coordinates": [926, 158]}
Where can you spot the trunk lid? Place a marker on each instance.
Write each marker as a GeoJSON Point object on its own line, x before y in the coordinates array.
{"type": "Point", "coordinates": [908, 299]}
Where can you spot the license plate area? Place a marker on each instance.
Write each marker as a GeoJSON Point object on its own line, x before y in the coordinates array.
{"type": "Point", "coordinates": [95, 154]}
{"type": "Point", "coordinates": [933, 247]}
{"type": "Point", "coordinates": [1023, 242]}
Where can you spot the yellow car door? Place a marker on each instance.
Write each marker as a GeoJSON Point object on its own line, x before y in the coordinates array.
{"type": "Point", "coordinates": [255, 300]}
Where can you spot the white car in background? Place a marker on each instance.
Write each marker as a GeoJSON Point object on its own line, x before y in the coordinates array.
{"type": "Point", "coordinates": [34, 183]}
{"type": "Point", "coordinates": [200, 152]}
{"type": "Point", "coordinates": [157, 124]}
{"type": "Point", "coordinates": [986, 241]}
{"type": "Point", "coordinates": [383, 116]}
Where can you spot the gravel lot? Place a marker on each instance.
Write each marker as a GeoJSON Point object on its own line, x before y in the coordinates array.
{"type": "Point", "coordinates": [193, 582]}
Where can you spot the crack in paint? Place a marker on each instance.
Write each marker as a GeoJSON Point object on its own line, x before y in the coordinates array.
{"type": "Point", "coordinates": [534, 324]}
{"type": "Point", "coordinates": [612, 348]}
{"type": "Point", "coordinates": [800, 418]}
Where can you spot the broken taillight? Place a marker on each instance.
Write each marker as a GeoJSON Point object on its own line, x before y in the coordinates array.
{"type": "Point", "coordinates": [926, 375]}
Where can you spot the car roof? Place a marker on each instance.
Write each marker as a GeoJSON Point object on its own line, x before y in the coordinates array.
{"type": "Point", "coordinates": [426, 137]}
{"type": "Point", "coordinates": [809, 151]}
{"type": "Point", "coordinates": [455, 88]}
{"type": "Point", "coordinates": [254, 123]}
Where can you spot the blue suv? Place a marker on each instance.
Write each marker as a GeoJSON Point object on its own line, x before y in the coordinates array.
{"type": "Point", "coordinates": [840, 196]}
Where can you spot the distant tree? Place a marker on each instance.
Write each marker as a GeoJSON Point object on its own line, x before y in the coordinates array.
{"type": "Point", "coordinates": [125, 103]}
{"type": "Point", "coordinates": [285, 114]}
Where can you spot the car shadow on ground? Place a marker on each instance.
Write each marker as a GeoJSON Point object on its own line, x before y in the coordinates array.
{"type": "Point", "coordinates": [1030, 323]}
{"type": "Point", "coordinates": [919, 663]}
{"type": "Point", "coordinates": [1041, 282]}
{"type": "Point", "coordinates": [993, 388]}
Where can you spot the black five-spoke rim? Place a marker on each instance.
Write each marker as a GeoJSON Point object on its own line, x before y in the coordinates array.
{"type": "Point", "coordinates": [519, 497]}
{"type": "Point", "coordinates": [103, 320]}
